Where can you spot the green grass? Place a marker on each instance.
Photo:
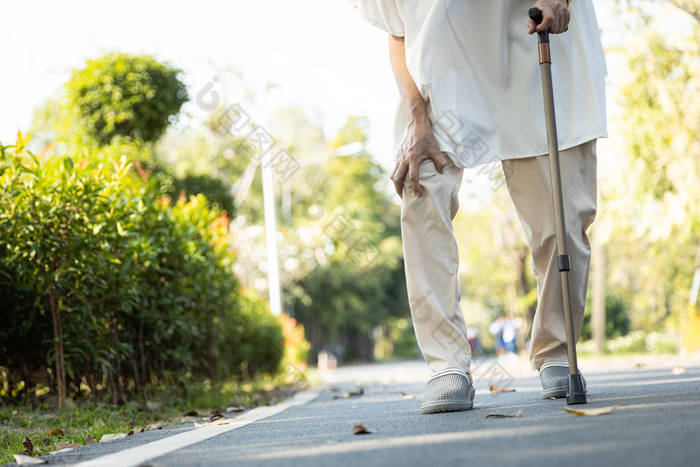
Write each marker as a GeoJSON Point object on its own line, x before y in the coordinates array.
{"type": "Point", "coordinates": [88, 420]}
{"type": "Point", "coordinates": [77, 424]}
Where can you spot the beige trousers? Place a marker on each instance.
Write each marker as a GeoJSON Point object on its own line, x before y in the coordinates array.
{"type": "Point", "coordinates": [431, 257]}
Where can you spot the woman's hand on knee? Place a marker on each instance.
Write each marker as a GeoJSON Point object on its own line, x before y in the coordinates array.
{"type": "Point", "coordinates": [418, 145]}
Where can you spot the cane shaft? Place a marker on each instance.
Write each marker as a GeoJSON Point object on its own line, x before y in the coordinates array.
{"type": "Point", "coordinates": [558, 202]}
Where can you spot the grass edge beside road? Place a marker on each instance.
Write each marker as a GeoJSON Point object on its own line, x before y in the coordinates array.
{"type": "Point", "coordinates": [87, 421]}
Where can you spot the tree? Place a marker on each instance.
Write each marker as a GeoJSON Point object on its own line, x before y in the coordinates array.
{"type": "Point", "coordinates": [656, 231]}
{"type": "Point", "coordinates": [344, 239]}
{"type": "Point", "coordinates": [125, 96]}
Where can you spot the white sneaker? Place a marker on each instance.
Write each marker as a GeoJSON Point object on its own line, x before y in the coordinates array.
{"type": "Point", "coordinates": [448, 390]}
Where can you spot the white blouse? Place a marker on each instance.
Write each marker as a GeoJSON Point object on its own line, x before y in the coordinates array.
{"type": "Point", "coordinates": [478, 67]}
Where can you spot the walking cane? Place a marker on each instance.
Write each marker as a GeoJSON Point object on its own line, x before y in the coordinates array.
{"type": "Point", "coordinates": [577, 391]}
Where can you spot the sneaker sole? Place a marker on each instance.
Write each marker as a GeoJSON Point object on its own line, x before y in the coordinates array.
{"type": "Point", "coordinates": [449, 406]}
{"type": "Point", "coordinates": [556, 392]}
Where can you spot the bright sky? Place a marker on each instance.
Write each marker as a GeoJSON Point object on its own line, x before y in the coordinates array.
{"type": "Point", "coordinates": [323, 56]}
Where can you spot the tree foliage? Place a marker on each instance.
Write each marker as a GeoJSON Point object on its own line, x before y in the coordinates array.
{"type": "Point", "coordinates": [344, 240]}
{"type": "Point", "coordinates": [653, 232]}
{"type": "Point", "coordinates": [125, 96]}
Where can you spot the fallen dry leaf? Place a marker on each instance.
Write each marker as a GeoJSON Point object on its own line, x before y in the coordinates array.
{"type": "Point", "coordinates": [361, 429]}
{"type": "Point", "coordinates": [55, 432]}
{"type": "Point", "coordinates": [497, 389]}
{"type": "Point", "coordinates": [640, 364]}
{"type": "Point", "coordinates": [407, 396]}
{"type": "Point", "coordinates": [597, 411]}
{"type": "Point", "coordinates": [21, 459]}
{"type": "Point", "coordinates": [215, 417]}
{"type": "Point", "coordinates": [678, 371]}
{"type": "Point", "coordinates": [28, 446]}
{"type": "Point", "coordinates": [349, 394]}
{"type": "Point", "coordinates": [90, 440]}
{"type": "Point", "coordinates": [220, 421]}
{"type": "Point", "coordinates": [60, 446]}
{"type": "Point", "coordinates": [112, 436]}
{"type": "Point", "coordinates": [191, 413]}
{"type": "Point", "coordinates": [51, 453]}
{"type": "Point", "coordinates": [235, 409]}
{"type": "Point", "coordinates": [504, 415]}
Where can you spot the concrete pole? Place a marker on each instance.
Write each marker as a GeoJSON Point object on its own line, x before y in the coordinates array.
{"type": "Point", "coordinates": [270, 209]}
{"type": "Point", "coordinates": [273, 271]}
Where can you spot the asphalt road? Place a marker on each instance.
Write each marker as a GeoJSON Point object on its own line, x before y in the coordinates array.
{"type": "Point", "coordinates": [659, 424]}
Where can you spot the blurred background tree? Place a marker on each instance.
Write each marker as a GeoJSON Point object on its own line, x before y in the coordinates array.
{"type": "Point", "coordinates": [656, 238]}
{"type": "Point", "coordinates": [124, 96]}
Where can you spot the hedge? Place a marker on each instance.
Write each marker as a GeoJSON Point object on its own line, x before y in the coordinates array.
{"type": "Point", "coordinates": [107, 286]}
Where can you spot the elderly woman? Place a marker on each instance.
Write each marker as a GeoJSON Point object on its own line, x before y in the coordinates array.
{"type": "Point", "coordinates": [468, 77]}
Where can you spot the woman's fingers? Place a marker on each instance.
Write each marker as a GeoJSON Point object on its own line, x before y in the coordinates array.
{"type": "Point", "coordinates": [556, 23]}
{"type": "Point", "coordinates": [531, 26]}
{"type": "Point", "coordinates": [414, 175]}
{"type": "Point", "coordinates": [396, 166]}
{"type": "Point", "coordinates": [560, 20]}
{"type": "Point", "coordinates": [399, 176]}
{"type": "Point", "coordinates": [547, 18]}
{"type": "Point", "coordinates": [412, 169]}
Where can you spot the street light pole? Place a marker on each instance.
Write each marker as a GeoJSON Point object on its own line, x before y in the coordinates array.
{"type": "Point", "coordinates": [273, 271]}
{"type": "Point", "coordinates": [270, 210]}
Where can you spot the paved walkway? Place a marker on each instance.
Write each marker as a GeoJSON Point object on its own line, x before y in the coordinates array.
{"type": "Point", "coordinates": [659, 424]}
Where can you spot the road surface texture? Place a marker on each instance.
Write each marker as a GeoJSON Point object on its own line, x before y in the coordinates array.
{"type": "Point", "coordinates": [658, 423]}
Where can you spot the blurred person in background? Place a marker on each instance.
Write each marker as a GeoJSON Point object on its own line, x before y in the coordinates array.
{"type": "Point", "coordinates": [496, 330]}
{"type": "Point", "coordinates": [473, 339]}
{"type": "Point", "coordinates": [510, 333]}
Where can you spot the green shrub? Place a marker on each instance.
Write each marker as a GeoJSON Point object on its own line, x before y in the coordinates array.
{"type": "Point", "coordinates": [110, 286]}
{"type": "Point", "coordinates": [633, 342]}
{"type": "Point", "coordinates": [296, 347]}
{"type": "Point", "coordinates": [637, 342]}
{"type": "Point", "coordinates": [125, 96]}
{"type": "Point", "coordinates": [250, 337]}
{"type": "Point", "coordinates": [215, 190]}
{"type": "Point", "coordinates": [617, 321]}
{"type": "Point", "coordinates": [660, 343]}
{"type": "Point", "coordinates": [403, 337]}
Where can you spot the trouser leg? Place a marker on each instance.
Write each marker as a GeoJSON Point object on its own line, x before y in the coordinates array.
{"type": "Point", "coordinates": [431, 262]}
{"type": "Point", "coordinates": [530, 188]}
